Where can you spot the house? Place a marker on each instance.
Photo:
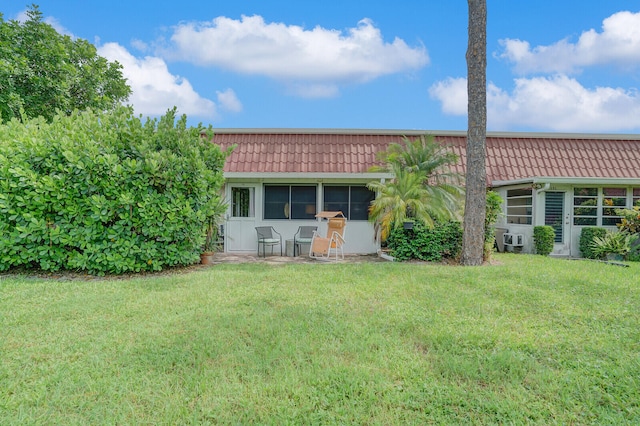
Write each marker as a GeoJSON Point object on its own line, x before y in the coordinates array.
{"type": "Point", "coordinates": [283, 177]}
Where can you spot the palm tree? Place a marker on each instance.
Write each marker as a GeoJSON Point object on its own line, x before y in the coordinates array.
{"type": "Point", "coordinates": [422, 154]}
{"type": "Point", "coordinates": [423, 187]}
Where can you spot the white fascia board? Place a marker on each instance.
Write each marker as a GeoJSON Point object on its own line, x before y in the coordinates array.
{"type": "Point", "coordinates": [499, 183]}
{"type": "Point", "coordinates": [568, 180]}
{"type": "Point", "coordinates": [314, 176]}
{"type": "Point", "coordinates": [421, 132]}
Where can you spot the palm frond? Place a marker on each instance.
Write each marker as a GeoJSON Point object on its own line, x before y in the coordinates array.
{"type": "Point", "coordinates": [424, 187]}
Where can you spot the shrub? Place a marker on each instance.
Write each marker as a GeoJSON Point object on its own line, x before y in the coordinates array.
{"type": "Point", "coordinates": [493, 211]}
{"type": "Point", "coordinates": [630, 222]}
{"type": "Point", "coordinates": [634, 252]}
{"type": "Point", "coordinates": [443, 241]}
{"type": "Point", "coordinates": [105, 192]}
{"type": "Point", "coordinates": [586, 238]}
{"type": "Point", "coordinates": [612, 243]}
{"type": "Point", "coordinates": [543, 238]}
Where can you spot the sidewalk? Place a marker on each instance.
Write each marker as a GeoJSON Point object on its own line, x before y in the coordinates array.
{"type": "Point", "coordinates": [275, 259]}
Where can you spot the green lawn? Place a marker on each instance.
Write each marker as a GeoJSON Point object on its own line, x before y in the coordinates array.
{"type": "Point", "coordinates": [531, 340]}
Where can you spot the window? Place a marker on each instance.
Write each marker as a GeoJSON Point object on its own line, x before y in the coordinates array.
{"type": "Point", "coordinates": [336, 199]}
{"type": "Point", "coordinates": [352, 201]}
{"type": "Point", "coordinates": [612, 199]}
{"type": "Point", "coordinates": [585, 206]}
{"type": "Point", "coordinates": [289, 202]}
{"type": "Point", "coordinates": [597, 207]}
{"type": "Point", "coordinates": [242, 202]}
{"type": "Point", "coordinates": [519, 206]}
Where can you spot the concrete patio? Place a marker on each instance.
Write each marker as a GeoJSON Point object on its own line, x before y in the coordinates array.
{"type": "Point", "coordinates": [276, 259]}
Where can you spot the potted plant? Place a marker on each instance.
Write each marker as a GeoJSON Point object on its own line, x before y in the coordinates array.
{"type": "Point", "coordinates": [211, 244]}
{"type": "Point", "coordinates": [613, 245]}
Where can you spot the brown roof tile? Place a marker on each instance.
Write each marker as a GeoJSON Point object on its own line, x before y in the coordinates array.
{"type": "Point", "coordinates": [509, 156]}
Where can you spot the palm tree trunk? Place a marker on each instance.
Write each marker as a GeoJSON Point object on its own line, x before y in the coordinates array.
{"type": "Point", "coordinates": [475, 203]}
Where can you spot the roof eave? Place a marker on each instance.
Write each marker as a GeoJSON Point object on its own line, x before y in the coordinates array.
{"type": "Point", "coordinates": [312, 176]}
{"type": "Point", "coordinates": [420, 132]}
{"type": "Point", "coordinates": [567, 180]}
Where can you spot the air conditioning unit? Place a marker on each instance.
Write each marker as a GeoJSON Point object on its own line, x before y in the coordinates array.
{"type": "Point", "coordinates": [513, 240]}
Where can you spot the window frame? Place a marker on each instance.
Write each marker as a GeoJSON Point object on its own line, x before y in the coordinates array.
{"type": "Point", "coordinates": [350, 203]}
{"type": "Point", "coordinates": [517, 200]}
{"type": "Point", "coordinates": [606, 202]}
{"type": "Point", "coordinates": [588, 197]}
{"type": "Point", "coordinates": [291, 207]}
{"type": "Point", "coordinates": [242, 204]}
{"type": "Point", "coordinates": [609, 205]}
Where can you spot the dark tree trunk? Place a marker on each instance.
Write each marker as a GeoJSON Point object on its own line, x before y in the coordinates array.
{"type": "Point", "coordinates": [476, 191]}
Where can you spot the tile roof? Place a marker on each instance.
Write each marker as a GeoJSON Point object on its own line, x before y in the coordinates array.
{"type": "Point", "coordinates": [510, 156]}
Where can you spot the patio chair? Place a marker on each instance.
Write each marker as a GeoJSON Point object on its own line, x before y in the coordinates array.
{"type": "Point", "coordinates": [267, 236]}
{"type": "Point", "coordinates": [321, 247]}
{"type": "Point", "coordinates": [303, 236]}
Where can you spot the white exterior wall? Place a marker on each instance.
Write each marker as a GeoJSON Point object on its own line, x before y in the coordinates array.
{"type": "Point", "coordinates": [514, 228]}
{"type": "Point", "coordinates": [571, 244]}
{"type": "Point", "coordinates": [241, 237]}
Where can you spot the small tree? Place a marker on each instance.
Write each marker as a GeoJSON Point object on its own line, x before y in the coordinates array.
{"type": "Point", "coordinates": [493, 211]}
{"type": "Point", "coordinates": [424, 155]}
{"type": "Point", "coordinates": [42, 71]}
{"type": "Point", "coordinates": [423, 188]}
{"type": "Point", "coordinates": [403, 198]}
{"type": "Point", "coordinates": [212, 224]}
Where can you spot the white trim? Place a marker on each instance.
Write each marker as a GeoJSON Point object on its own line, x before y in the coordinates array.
{"type": "Point", "coordinates": [419, 132]}
{"type": "Point", "coordinates": [568, 180]}
{"type": "Point", "coordinates": [315, 176]}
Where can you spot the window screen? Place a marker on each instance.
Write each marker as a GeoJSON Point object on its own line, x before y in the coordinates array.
{"type": "Point", "coordinates": [289, 202]}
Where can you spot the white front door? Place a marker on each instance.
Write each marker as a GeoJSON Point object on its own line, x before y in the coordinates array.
{"type": "Point", "coordinates": [240, 235]}
{"type": "Point", "coordinates": [556, 215]}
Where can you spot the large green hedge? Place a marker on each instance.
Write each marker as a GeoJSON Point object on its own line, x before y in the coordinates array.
{"type": "Point", "coordinates": [105, 192]}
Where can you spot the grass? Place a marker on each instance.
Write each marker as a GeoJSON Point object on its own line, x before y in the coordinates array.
{"type": "Point", "coordinates": [532, 340]}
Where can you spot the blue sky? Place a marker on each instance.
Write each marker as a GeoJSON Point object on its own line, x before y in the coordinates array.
{"type": "Point", "coordinates": [552, 66]}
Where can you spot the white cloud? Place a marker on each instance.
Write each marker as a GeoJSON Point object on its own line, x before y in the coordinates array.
{"type": "Point", "coordinates": [229, 101]}
{"type": "Point", "coordinates": [301, 57]}
{"type": "Point", "coordinates": [452, 94]}
{"type": "Point", "coordinates": [555, 103]}
{"type": "Point", "coordinates": [58, 26]}
{"type": "Point", "coordinates": [154, 88]}
{"type": "Point", "coordinates": [618, 44]}
{"type": "Point", "coordinates": [139, 45]}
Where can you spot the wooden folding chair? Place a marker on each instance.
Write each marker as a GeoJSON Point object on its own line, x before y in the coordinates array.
{"type": "Point", "coordinates": [321, 247]}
